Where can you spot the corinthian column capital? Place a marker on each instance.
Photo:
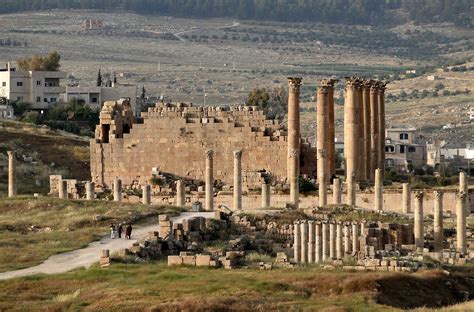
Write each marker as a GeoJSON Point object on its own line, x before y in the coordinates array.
{"type": "Point", "coordinates": [209, 154]}
{"type": "Point", "coordinates": [294, 84]}
{"type": "Point", "coordinates": [238, 154]}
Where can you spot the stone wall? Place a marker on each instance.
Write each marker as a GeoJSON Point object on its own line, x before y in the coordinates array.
{"type": "Point", "coordinates": [173, 139]}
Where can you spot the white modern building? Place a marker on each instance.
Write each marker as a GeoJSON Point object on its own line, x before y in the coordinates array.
{"type": "Point", "coordinates": [96, 96]}
{"type": "Point", "coordinates": [40, 88]}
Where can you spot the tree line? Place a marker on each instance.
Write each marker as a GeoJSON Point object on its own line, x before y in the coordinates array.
{"type": "Point", "coordinates": [460, 12]}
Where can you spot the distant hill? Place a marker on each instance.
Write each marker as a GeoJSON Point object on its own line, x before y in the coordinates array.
{"type": "Point", "coordinates": [365, 12]}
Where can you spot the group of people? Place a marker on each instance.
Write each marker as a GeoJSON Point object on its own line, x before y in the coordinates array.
{"type": "Point", "coordinates": [119, 230]}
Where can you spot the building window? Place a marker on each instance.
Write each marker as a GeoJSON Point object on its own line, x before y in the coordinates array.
{"type": "Point", "coordinates": [411, 149]}
{"type": "Point", "coordinates": [389, 163]}
{"type": "Point", "coordinates": [402, 149]}
{"type": "Point", "coordinates": [403, 136]}
{"type": "Point", "coordinates": [53, 100]}
{"type": "Point", "coordinates": [38, 99]}
{"type": "Point", "coordinates": [94, 100]}
{"type": "Point", "coordinates": [45, 100]}
{"type": "Point", "coordinates": [19, 99]}
{"type": "Point", "coordinates": [390, 149]}
{"type": "Point", "coordinates": [4, 83]}
{"type": "Point", "coordinates": [19, 83]}
{"type": "Point", "coordinates": [38, 82]}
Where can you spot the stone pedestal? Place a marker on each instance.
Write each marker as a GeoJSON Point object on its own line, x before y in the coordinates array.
{"type": "Point", "coordinates": [62, 187]}
{"type": "Point", "coordinates": [355, 237]}
{"type": "Point", "coordinates": [339, 253]}
{"type": "Point", "coordinates": [180, 193]}
{"type": "Point", "coordinates": [324, 241]}
{"type": "Point", "coordinates": [146, 195]}
{"type": "Point", "coordinates": [117, 190]}
{"type": "Point", "coordinates": [304, 241]}
{"type": "Point", "coordinates": [332, 241]}
{"type": "Point", "coordinates": [90, 191]}
{"type": "Point", "coordinates": [336, 191]}
{"type": "Point", "coordinates": [419, 229]}
{"type": "Point", "coordinates": [11, 174]}
{"type": "Point", "coordinates": [265, 195]}
{"type": "Point", "coordinates": [322, 178]}
{"type": "Point", "coordinates": [311, 241]}
{"type": "Point", "coordinates": [461, 242]}
{"type": "Point", "coordinates": [238, 180]}
{"type": "Point", "coordinates": [347, 239]}
{"type": "Point", "coordinates": [378, 190]}
{"type": "Point", "coordinates": [297, 241]}
{"type": "Point", "coordinates": [209, 180]}
{"type": "Point", "coordinates": [318, 243]}
{"type": "Point", "coordinates": [406, 198]}
{"type": "Point", "coordinates": [438, 221]}
{"type": "Point", "coordinates": [374, 131]}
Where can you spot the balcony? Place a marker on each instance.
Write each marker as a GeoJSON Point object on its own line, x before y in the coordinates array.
{"type": "Point", "coordinates": [54, 90]}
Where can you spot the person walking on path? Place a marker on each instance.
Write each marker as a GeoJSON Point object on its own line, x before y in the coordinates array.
{"type": "Point", "coordinates": [112, 231]}
{"type": "Point", "coordinates": [128, 232]}
{"type": "Point", "coordinates": [119, 230]}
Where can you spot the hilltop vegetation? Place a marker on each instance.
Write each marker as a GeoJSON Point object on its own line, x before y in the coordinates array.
{"type": "Point", "coordinates": [330, 11]}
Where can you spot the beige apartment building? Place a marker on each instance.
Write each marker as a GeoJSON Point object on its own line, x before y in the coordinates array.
{"type": "Point", "coordinates": [402, 148]}
{"type": "Point", "coordinates": [40, 88]}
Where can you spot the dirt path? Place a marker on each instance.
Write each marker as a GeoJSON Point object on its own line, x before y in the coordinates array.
{"type": "Point", "coordinates": [85, 257]}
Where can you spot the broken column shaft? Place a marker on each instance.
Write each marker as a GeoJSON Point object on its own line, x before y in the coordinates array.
{"type": "Point", "coordinates": [180, 193]}
{"type": "Point", "coordinates": [265, 195]}
{"type": "Point", "coordinates": [336, 191]}
{"type": "Point", "coordinates": [461, 243]}
{"type": "Point", "coordinates": [90, 191]}
{"type": "Point", "coordinates": [209, 180]}
{"type": "Point", "coordinates": [117, 190]}
{"type": "Point", "coordinates": [378, 193]}
{"type": "Point", "coordinates": [406, 198]}
{"type": "Point", "coordinates": [238, 180]}
{"type": "Point", "coordinates": [146, 194]}
{"type": "Point", "coordinates": [297, 241]}
{"type": "Point", "coordinates": [419, 229]}
{"type": "Point", "coordinates": [12, 191]}
{"type": "Point", "coordinates": [62, 189]}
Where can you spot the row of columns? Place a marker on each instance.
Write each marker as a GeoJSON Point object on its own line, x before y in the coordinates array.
{"type": "Point", "coordinates": [364, 128]}
{"type": "Point", "coordinates": [461, 215]}
{"type": "Point", "coordinates": [316, 241]}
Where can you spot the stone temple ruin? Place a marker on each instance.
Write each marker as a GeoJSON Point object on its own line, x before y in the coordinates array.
{"type": "Point", "coordinates": [235, 160]}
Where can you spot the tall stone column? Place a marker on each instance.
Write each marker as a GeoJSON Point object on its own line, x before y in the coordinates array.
{"type": "Point", "coordinates": [90, 191]}
{"type": "Point", "coordinates": [355, 237]}
{"type": "Point", "coordinates": [347, 238]}
{"type": "Point", "coordinates": [181, 194]}
{"type": "Point", "coordinates": [463, 187]}
{"type": "Point", "coordinates": [304, 241]}
{"type": "Point", "coordinates": [461, 243]}
{"type": "Point", "coordinates": [378, 194]}
{"type": "Point", "coordinates": [265, 195]}
{"type": "Point", "coordinates": [351, 190]}
{"type": "Point", "coordinates": [297, 241]}
{"type": "Point", "coordinates": [146, 195]}
{"type": "Point", "coordinates": [209, 180]}
{"type": "Point", "coordinates": [322, 178]}
{"type": "Point", "coordinates": [324, 241]}
{"type": "Point", "coordinates": [339, 251]}
{"type": "Point", "coordinates": [11, 174]}
{"type": "Point", "coordinates": [381, 127]}
{"type": "Point", "coordinates": [294, 84]}
{"type": "Point", "coordinates": [438, 220]}
{"type": "Point", "coordinates": [406, 198]}
{"type": "Point", "coordinates": [351, 126]}
{"type": "Point", "coordinates": [332, 240]}
{"type": "Point", "coordinates": [294, 179]}
{"type": "Point", "coordinates": [366, 84]}
{"type": "Point", "coordinates": [318, 243]}
{"type": "Point", "coordinates": [360, 133]}
{"type": "Point", "coordinates": [117, 190]}
{"type": "Point", "coordinates": [419, 229]}
{"type": "Point", "coordinates": [336, 191]}
{"type": "Point", "coordinates": [331, 148]}
{"type": "Point", "coordinates": [62, 187]}
{"type": "Point", "coordinates": [374, 129]}
{"type": "Point", "coordinates": [238, 180]}
{"type": "Point", "coordinates": [311, 241]}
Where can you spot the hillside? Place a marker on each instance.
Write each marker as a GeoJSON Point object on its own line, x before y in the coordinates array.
{"type": "Point", "coordinates": [40, 153]}
{"type": "Point", "coordinates": [367, 12]}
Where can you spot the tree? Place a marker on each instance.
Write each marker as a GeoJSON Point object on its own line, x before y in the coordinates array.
{"type": "Point", "coordinates": [273, 103]}
{"type": "Point", "coordinates": [143, 95]}
{"type": "Point", "coordinates": [99, 79]}
{"type": "Point", "coordinates": [40, 63]}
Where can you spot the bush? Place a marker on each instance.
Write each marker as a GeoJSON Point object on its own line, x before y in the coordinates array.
{"type": "Point", "coordinates": [306, 185]}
